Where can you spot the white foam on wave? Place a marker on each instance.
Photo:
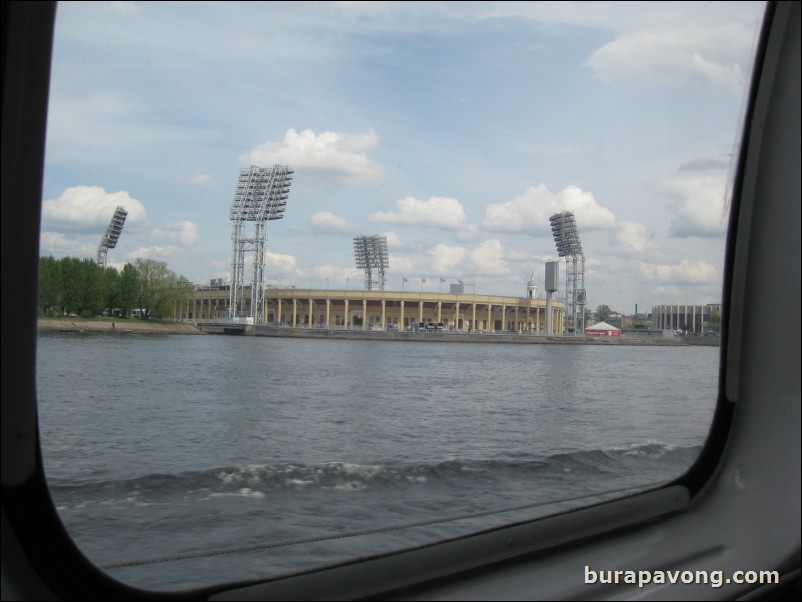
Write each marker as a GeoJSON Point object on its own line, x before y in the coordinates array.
{"type": "Point", "coordinates": [245, 492]}
{"type": "Point", "coordinates": [351, 486]}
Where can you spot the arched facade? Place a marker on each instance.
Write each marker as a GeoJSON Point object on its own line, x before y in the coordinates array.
{"type": "Point", "coordinates": [381, 310]}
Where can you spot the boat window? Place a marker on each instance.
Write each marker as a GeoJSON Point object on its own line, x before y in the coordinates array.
{"type": "Point", "coordinates": [325, 281]}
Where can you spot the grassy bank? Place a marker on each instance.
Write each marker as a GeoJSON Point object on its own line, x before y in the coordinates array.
{"type": "Point", "coordinates": [114, 326]}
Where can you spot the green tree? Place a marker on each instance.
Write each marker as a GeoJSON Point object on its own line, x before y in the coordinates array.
{"type": "Point", "coordinates": [72, 284]}
{"type": "Point", "coordinates": [92, 297]}
{"type": "Point", "coordinates": [111, 290]}
{"type": "Point", "coordinates": [81, 285]}
{"type": "Point", "coordinates": [51, 292]}
{"type": "Point", "coordinates": [129, 289]}
{"type": "Point", "coordinates": [159, 288]}
{"type": "Point", "coordinates": [603, 313]}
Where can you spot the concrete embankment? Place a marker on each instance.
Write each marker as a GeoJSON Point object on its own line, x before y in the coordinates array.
{"type": "Point", "coordinates": [80, 325]}
{"type": "Point", "coordinates": [449, 337]}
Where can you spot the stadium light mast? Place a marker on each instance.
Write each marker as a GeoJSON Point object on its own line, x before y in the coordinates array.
{"type": "Point", "coordinates": [371, 252]}
{"type": "Point", "coordinates": [261, 197]}
{"type": "Point", "coordinates": [112, 235]}
{"type": "Point", "coordinates": [566, 237]}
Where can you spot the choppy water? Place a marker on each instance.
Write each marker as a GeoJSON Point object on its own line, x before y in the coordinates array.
{"type": "Point", "coordinates": [182, 461]}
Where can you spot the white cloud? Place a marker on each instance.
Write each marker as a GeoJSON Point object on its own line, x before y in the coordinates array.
{"type": "Point", "coordinates": [679, 295]}
{"type": "Point", "coordinates": [699, 272]}
{"type": "Point", "coordinates": [58, 245]}
{"type": "Point", "coordinates": [185, 233]}
{"type": "Point", "coordinates": [328, 223]}
{"type": "Point", "coordinates": [446, 260]}
{"type": "Point", "coordinates": [454, 261]}
{"type": "Point", "coordinates": [440, 212]}
{"type": "Point", "coordinates": [326, 275]}
{"type": "Point", "coordinates": [593, 265]}
{"type": "Point", "coordinates": [407, 265]}
{"type": "Point", "coordinates": [279, 264]}
{"type": "Point", "coordinates": [167, 254]}
{"type": "Point", "coordinates": [488, 258]}
{"type": "Point", "coordinates": [520, 256]}
{"type": "Point", "coordinates": [678, 47]}
{"type": "Point", "coordinates": [700, 211]}
{"type": "Point", "coordinates": [89, 208]}
{"type": "Point", "coordinates": [336, 156]}
{"type": "Point", "coordinates": [634, 239]}
{"type": "Point", "coordinates": [394, 241]}
{"type": "Point", "coordinates": [200, 179]}
{"type": "Point", "coordinates": [530, 211]}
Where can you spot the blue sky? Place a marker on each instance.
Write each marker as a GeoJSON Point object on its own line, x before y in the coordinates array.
{"type": "Point", "coordinates": [455, 129]}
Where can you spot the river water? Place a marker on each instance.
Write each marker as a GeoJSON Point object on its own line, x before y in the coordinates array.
{"type": "Point", "coordinates": [180, 461]}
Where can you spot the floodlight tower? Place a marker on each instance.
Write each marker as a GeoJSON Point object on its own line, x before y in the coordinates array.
{"type": "Point", "coordinates": [261, 196]}
{"type": "Point", "coordinates": [566, 236]}
{"type": "Point", "coordinates": [371, 252]}
{"type": "Point", "coordinates": [112, 235]}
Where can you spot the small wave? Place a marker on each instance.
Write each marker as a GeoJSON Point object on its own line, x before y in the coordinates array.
{"type": "Point", "coordinates": [257, 480]}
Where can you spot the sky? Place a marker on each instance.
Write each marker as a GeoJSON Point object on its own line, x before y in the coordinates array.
{"type": "Point", "coordinates": [453, 129]}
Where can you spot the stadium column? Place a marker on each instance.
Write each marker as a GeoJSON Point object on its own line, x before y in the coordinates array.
{"type": "Point", "coordinates": [456, 315]}
{"type": "Point", "coordinates": [364, 314]}
{"type": "Point", "coordinates": [328, 313]}
{"type": "Point", "coordinates": [294, 311]}
{"type": "Point", "coordinates": [489, 317]}
{"type": "Point", "coordinates": [503, 316]}
{"type": "Point", "coordinates": [420, 311]}
{"type": "Point", "coordinates": [439, 311]}
{"type": "Point", "coordinates": [383, 314]}
{"type": "Point", "coordinates": [278, 312]}
{"type": "Point", "coordinates": [311, 315]}
{"type": "Point", "coordinates": [402, 324]}
{"type": "Point", "coordinates": [473, 317]}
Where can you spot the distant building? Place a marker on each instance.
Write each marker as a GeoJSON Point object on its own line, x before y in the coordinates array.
{"type": "Point", "coordinates": [638, 321]}
{"type": "Point", "coordinates": [378, 310]}
{"type": "Point", "coordinates": [683, 317]}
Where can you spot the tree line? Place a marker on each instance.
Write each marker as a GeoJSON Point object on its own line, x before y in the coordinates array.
{"type": "Point", "coordinates": [145, 288]}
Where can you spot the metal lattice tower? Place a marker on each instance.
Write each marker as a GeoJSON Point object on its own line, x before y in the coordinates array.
{"type": "Point", "coordinates": [112, 235]}
{"type": "Point", "coordinates": [261, 196]}
{"type": "Point", "coordinates": [566, 236]}
{"type": "Point", "coordinates": [371, 252]}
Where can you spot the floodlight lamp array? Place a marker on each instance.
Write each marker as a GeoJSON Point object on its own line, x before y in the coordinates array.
{"type": "Point", "coordinates": [261, 193]}
{"type": "Point", "coordinates": [114, 229]}
{"type": "Point", "coordinates": [566, 235]}
{"type": "Point", "coordinates": [371, 252]}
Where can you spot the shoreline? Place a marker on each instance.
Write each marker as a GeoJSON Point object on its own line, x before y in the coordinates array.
{"type": "Point", "coordinates": [448, 337]}
{"type": "Point", "coordinates": [83, 325]}
{"type": "Point", "coordinates": [142, 327]}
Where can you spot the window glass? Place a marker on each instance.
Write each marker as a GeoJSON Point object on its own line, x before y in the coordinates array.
{"type": "Point", "coordinates": [392, 346]}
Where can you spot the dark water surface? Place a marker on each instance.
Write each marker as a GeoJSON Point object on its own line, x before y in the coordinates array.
{"type": "Point", "coordinates": [184, 461]}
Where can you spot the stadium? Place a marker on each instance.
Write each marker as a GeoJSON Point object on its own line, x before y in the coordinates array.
{"type": "Point", "coordinates": [380, 310]}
